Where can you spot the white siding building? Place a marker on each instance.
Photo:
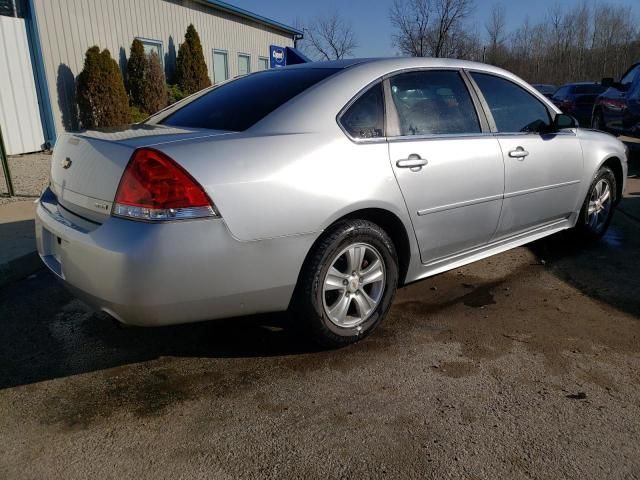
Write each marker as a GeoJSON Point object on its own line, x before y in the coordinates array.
{"type": "Point", "coordinates": [234, 41]}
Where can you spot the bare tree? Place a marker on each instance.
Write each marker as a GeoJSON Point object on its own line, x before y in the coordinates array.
{"type": "Point", "coordinates": [582, 43]}
{"type": "Point", "coordinates": [330, 37]}
{"type": "Point", "coordinates": [450, 16]}
{"type": "Point", "coordinates": [431, 27]}
{"type": "Point", "coordinates": [496, 31]}
{"type": "Point", "coordinates": [411, 21]}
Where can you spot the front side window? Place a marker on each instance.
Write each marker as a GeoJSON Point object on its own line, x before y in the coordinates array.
{"type": "Point", "coordinates": [220, 66]}
{"type": "Point", "coordinates": [365, 117]}
{"type": "Point", "coordinates": [239, 104]}
{"type": "Point", "coordinates": [244, 64]}
{"type": "Point", "coordinates": [513, 108]}
{"type": "Point", "coordinates": [433, 103]}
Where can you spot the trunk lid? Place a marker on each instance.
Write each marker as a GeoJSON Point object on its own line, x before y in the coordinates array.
{"type": "Point", "coordinates": [86, 167]}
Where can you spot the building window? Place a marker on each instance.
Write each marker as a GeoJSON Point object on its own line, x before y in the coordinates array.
{"type": "Point", "coordinates": [8, 8]}
{"type": "Point", "coordinates": [244, 64]}
{"type": "Point", "coordinates": [263, 63]}
{"type": "Point", "coordinates": [153, 46]}
{"type": "Point", "coordinates": [220, 66]}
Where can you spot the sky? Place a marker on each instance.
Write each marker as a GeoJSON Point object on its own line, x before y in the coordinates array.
{"type": "Point", "coordinates": [370, 18]}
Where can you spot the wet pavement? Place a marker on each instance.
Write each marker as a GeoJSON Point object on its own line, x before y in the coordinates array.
{"type": "Point", "coordinates": [523, 365]}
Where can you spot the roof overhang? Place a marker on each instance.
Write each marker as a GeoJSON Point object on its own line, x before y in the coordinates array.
{"type": "Point", "coordinates": [241, 12]}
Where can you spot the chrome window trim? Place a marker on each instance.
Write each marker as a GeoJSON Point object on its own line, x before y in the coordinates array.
{"type": "Point", "coordinates": [439, 136]}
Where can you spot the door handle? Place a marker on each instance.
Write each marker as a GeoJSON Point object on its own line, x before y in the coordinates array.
{"type": "Point", "coordinates": [414, 162]}
{"type": "Point", "coordinates": [519, 152]}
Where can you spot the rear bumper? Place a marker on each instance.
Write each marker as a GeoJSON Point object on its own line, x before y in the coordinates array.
{"type": "Point", "coordinates": [167, 273]}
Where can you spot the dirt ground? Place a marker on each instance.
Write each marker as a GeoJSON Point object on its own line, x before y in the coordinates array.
{"type": "Point", "coordinates": [524, 365]}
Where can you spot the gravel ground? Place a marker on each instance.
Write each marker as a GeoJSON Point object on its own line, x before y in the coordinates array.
{"type": "Point", "coordinates": [30, 174]}
{"type": "Point", "coordinates": [523, 365]}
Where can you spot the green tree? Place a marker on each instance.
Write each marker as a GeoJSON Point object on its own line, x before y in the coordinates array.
{"type": "Point", "coordinates": [154, 92]}
{"type": "Point", "coordinates": [101, 96]}
{"type": "Point", "coordinates": [136, 69]}
{"type": "Point", "coordinates": [191, 69]}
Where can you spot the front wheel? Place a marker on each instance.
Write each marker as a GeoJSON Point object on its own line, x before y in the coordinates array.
{"type": "Point", "coordinates": [347, 284]}
{"type": "Point", "coordinates": [597, 209]}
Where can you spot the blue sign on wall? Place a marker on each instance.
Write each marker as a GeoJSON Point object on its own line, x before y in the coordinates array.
{"type": "Point", "coordinates": [278, 56]}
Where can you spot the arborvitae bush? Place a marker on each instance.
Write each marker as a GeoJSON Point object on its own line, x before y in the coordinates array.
{"type": "Point", "coordinates": [136, 68]}
{"type": "Point", "coordinates": [191, 69]}
{"type": "Point", "coordinates": [102, 99]}
{"type": "Point", "coordinates": [154, 92]}
{"type": "Point", "coordinates": [174, 94]}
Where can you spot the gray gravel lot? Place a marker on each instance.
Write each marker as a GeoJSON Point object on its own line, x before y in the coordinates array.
{"type": "Point", "coordinates": [30, 174]}
{"type": "Point", "coordinates": [524, 365]}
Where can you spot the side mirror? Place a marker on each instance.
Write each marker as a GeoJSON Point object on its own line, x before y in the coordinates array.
{"type": "Point", "coordinates": [607, 82]}
{"type": "Point", "coordinates": [562, 120]}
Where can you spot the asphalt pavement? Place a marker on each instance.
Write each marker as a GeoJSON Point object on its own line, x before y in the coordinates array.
{"type": "Point", "coordinates": [523, 365]}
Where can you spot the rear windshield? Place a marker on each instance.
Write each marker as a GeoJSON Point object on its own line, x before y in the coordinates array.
{"type": "Point", "coordinates": [239, 104]}
{"type": "Point", "coordinates": [584, 89]}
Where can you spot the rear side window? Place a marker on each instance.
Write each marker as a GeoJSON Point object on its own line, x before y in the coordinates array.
{"type": "Point", "coordinates": [239, 104]}
{"type": "Point", "coordinates": [433, 103]}
{"type": "Point", "coordinates": [365, 117]}
{"type": "Point", "coordinates": [513, 108]}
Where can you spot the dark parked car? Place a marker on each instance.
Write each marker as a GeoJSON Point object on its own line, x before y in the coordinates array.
{"type": "Point", "coordinates": [545, 89]}
{"type": "Point", "coordinates": [578, 99]}
{"type": "Point", "coordinates": [617, 110]}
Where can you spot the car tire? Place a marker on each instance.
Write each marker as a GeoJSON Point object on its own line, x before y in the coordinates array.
{"type": "Point", "coordinates": [597, 211]}
{"type": "Point", "coordinates": [353, 258]}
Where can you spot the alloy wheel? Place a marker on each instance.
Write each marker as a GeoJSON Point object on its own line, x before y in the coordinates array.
{"type": "Point", "coordinates": [599, 205]}
{"type": "Point", "coordinates": [353, 285]}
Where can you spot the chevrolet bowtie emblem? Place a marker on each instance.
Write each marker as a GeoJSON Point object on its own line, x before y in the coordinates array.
{"type": "Point", "coordinates": [66, 163]}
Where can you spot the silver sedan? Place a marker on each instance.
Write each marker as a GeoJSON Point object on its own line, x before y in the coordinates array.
{"type": "Point", "coordinates": [318, 189]}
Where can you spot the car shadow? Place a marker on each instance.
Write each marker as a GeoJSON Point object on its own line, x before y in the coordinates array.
{"type": "Point", "coordinates": [58, 336]}
{"type": "Point", "coordinates": [608, 269]}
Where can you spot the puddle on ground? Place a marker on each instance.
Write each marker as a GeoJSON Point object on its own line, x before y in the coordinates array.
{"type": "Point", "coordinates": [480, 297]}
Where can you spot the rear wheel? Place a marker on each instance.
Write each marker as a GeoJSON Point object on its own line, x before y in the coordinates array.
{"type": "Point", "coordinates": [347, 284]}
{"type": "Point", "coordinates": [597, 209]}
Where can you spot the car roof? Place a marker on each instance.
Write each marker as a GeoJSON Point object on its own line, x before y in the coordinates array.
{"type": "Point", "coordinates": [398, 63]}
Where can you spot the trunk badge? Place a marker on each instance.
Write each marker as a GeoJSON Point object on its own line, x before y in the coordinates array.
{"type": "Point", "coordinates": [66, 163]}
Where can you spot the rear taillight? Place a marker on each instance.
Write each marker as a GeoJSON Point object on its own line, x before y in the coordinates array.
{"type": "Point", "coordinates": [153, 187]}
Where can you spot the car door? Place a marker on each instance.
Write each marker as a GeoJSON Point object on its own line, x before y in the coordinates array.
{"type": "Point", "coordinates": [542, 168]}
{"type": "Point", "coordinates": [614, 106]}
{"type": "Point", "coordinates": [448, 165]}
{"type": "Point", "coordinates": [631, 121]}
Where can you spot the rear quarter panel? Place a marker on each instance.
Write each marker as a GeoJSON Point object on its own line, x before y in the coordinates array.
{"type": "Point", "coordinates": [268, 186]}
